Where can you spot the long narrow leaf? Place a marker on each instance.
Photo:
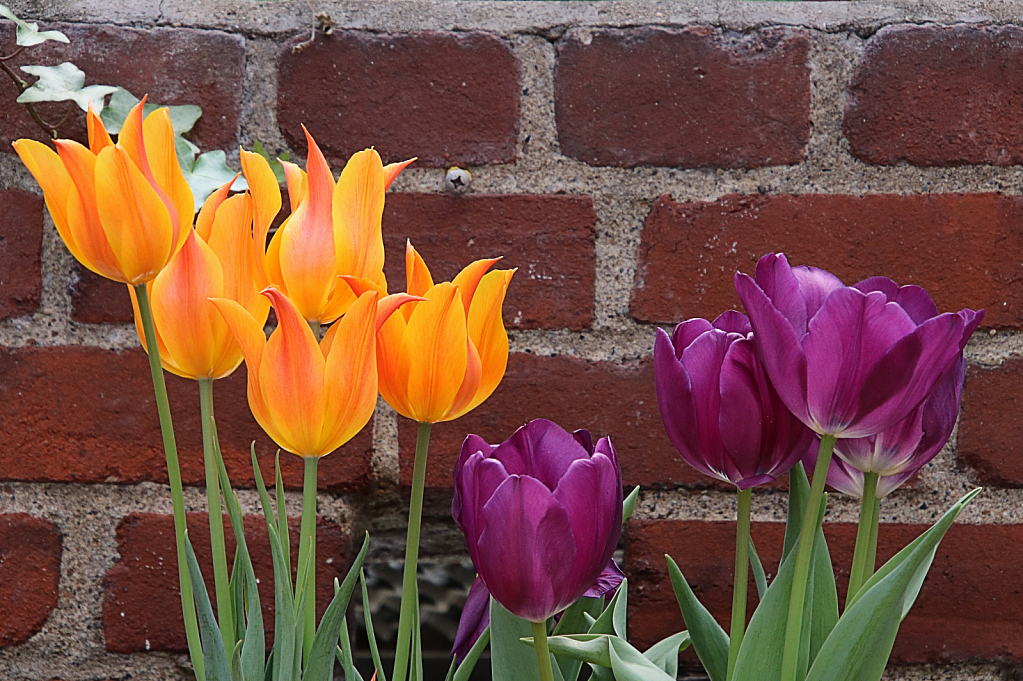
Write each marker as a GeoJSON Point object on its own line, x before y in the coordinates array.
{"type": "Point", "coordinates": [799, 490]}
{"type": "Point", "coordinates": [665, 653]}
{"type": "Point", "coordinates": [213, 653]}
{"type": "Point", "coordinates": [284, 609]}
{"type": "Point", "coordinates": [271, 522]}
{"type": "Point", "coordinates": [758, 570]}
{"type": "Point", "coordinates": [612, 620]}
{"type": "Point", "coordinates": [282, 511]}
{"type": "Point", "coordinates": [709, 640]}
{"type": "Point", "coordinates": [367, 617]}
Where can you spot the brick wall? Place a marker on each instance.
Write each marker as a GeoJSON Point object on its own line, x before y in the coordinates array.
{"type": "Point", "coordinates": [627, 159]}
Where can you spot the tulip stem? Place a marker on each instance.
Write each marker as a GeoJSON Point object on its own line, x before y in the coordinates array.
{"type": "Point", "coordinates": [811, 517]}
{"type": "Point", "coordinates": [307, 552]}
{"type": "Point", "coordinates": [170, 448]}
{"type": "Point", "coordinates": [409, 600]}
{"type": "Point", "coordinates": [741, 579]}
{"type": "Point", "coordinates": [225, 611]}
{"type": "Point", "coordinates": [858, 574]}
{"type": "Point", "coordinates": [543, 655]}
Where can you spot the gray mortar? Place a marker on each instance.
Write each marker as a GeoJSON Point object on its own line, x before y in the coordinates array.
{"type": "Point", "coordinates": [70, 646]}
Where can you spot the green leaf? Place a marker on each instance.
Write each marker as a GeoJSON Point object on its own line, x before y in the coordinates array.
{"type": "Point", "coordinates": [709, 639]}
{"type": "Point", "coordinates": [758, 570]}
{"type": "Point", "coordinates": [824, 596]}
{"type": "Point", "coordinates": [574, 621]}
{"type": "Point", "coordinates": [28, 33]}
{"type": "Point", "coordinates": [183, 117]}
{"type": "Point", "coordinates": [367, 617]}
{"type": "Point", "coordinates": [320, 666]}
{"type": "Point", "coordinates": [213, 654]}
{"type": "Point", "coordinates": [629, 504]}
{"type": "Point", "coordinates": [665, 653]}
{"type": "Point", "coordinates": [612, 620]}
{"type": "Point", "coordinates": [628, 664]}
{"type": "Point", "coordinates": [236, 662]}
{"type": "Point", "coordinates": [282, 514]}
{"type": "Point", "coordinates": [860, 644]}
{"type": "Point", "coordinates": [472, 657]}
{"type": "Point", "coordinates": [343, 652]}
{"type": "Point", "coordinates": [588, 648]}
{"type": "Point", "coordinates": [208, 174]}
{"type": "Point", "coordinates": [510, 659]}
{"type": "Point", "coordinates": [799, 490]}
{"type": "Point", "coordinates": [63, 83]}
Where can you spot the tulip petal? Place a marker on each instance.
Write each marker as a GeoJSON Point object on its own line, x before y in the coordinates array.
{"type": "Point", "coordinates": [266, 199]}
{"type": "Point", "coordinates": [815, 285]}
{"type": "Point", "coordinates": [99, 139]}
{"type": "Point", "coordinates": [940, 412]}
{"type": "Point", "coordinates": [204, 221]}
{"type": "Point", "coordinates": [913, 299]}
{"type": "Point", "coordinates": [485, 326]}
{"type": "Point", "coordinates": [482, 476]}
{"type": "Point", "coordinates": [131, 139]}
{"type": "Point", "coordinates": [531, 575]}
{"type": "Point", "coordinates": [732, 321]}
{"type": "Point", "coordinates": [688, 331]}
{"type": "Point", "coordinates": [291, 376]}
{"type": "Point", "coordinates": [542, 450]}
{"type": "Point", "coordinates": [358, 208]}
{"type": "Point", "coordinates": [778, 283]}
{"type": "Point", "coordinates": [83, 221]}
{"type": "Point", "coordinates": [469, 278]}
{"type": "Point", "coordinates": [703, 361]}
{"type": "Point", "coordinates": [609, 580]}
{"type": "Point", "coordinates": [165, 358]}
{"type": "Point", "coordinates": [740, 420]}
{"type": "Point", "coordinates": [391, 171]}
{"type": "Point", "coordinates": [434, 351]}
{"type": "Point", "coordinates": [231, 240]}
{"type": "Point", "coordinates": [474, 619]}
{"type": "Point", "coordinates": [171, 186]}
{"type": "Point", "coordinates": [470, 383]}
{"type": "Point", "coordinates": [471, 445]}
{"type": "Point", "coordinates": [297, 182]}
{"type": "Point", "coordinates": [350, 375]}
{"type": "Point", "coordinates": [392, 371]}
{"type": "Point", "coordinates": [417, 275]}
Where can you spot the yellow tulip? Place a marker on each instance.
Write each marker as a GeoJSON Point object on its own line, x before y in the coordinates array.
{"type": "Point", "coordinates": [311, 398]}
{"type": "Point", "coordinates": [442, 358]}
{"type": "Point", "coordinates": [123, 209]}
{"type": "Point", "coordinates": [217, 261]}
{"type": "Point", "coordinates": [333, 230]}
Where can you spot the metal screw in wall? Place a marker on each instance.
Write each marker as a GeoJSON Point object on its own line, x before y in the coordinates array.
{"type": "Point", "coordinates": [457, 180]}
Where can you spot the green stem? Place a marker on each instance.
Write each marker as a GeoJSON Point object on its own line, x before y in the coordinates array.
{"type": "Point", "coordinates": [170, 448]}
{"type": "Point", "coordinates": [409, 602]}
{"type": "Point", "coordinates": [867, 526]}
{"type": "Point", "coordinates": [307, 552]}
{"type": "Point", "coordinates": [225, 612]}
{"type": "Point", "coordinates": [543, 655]}
{"type": "Point", "coordinates": [871, 561]}
{"type": "Point", "coordinates": [794, 625]}
{"type": "Point", "coordinates": [740, 581]}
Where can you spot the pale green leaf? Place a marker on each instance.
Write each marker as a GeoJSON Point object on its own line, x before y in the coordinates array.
{"type": "Point", "coordinates": [183, 117]}
{"type": "Point", "coordinates": [28, 33]}
{"type": "Point", "coordinates": [63, 83]}
{"type": "Point", "coordinates": [213, 652]}
{"type": "Point", "coordinates": [709, 639]}
{"type": "Point", "coordinates": [510, 658]}
{"type": "Point", "coordinates": [629, 504]}
{"type": "Point", "coordinates": [665, 653]}
{"type": "Point", "coordinates": [208, 174]}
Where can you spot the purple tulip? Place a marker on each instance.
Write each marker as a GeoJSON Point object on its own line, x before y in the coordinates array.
{"type": "Point", "coordinates": [541, 513]}
{"type": "Point", "coordinates": [720, 411]}
{"type": "Point", "coordinates": [849, 361]}
{"type": "Point", "coordinates": [898, 453]}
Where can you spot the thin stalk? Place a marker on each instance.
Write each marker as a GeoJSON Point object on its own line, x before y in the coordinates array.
{"type": "Point", "coordinates": [307, 552]}
{"type": "Point", "coordinates": [867, 526]}
{"type": "Point", "coordinates": [740, 581]}
{"type": "Point", "coordinates": [543, 655]}
{"type": "Point", "coordinates": [871, 561]}
{"type": "Point", "coordinates": [170, 448]}
{"type": "Point", "coordinates": [409, 602]}
{"type": "Point", "coordinates": [222, 579]}
{"type": "Point", "coordinates": [794, 625]}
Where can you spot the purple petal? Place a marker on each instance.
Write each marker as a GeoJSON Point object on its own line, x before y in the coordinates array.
{"type": "Point", "coordinates": [880, 284]}
{"type": "Point", "coordinates": [480, 478]}
{"type": "Point", "coordinates": [688, 331]}
{"type": "Point", "coordinates": [591, 494]}
{"type": "Point", "coordinates": [583, 437]}
{"type": "Point", "coordinates": [733, 321]}
{"type": "Point", "coordinates": [815, 285]}
{"type": "Point", "coordinates": [778, 347]}
{"type": "Point", "coordinates": [913, 299]}
{"type": "Point", "coordinates": [971, 320]}
{"type": "Point", "coordinates": [906, 374]}
{"type": "Point", "coordinates": [740, 422]}
{"type": "Point", "coordinates": [846, 339]}
{"type": "Point", "coordinates": [475, 618]}
{"type": "Point", "coordinates": [776, 280]}
{"type": "Point", "coordinates": [471, 445]}
{"type": "Point", "coordinates": [889, 483]}
{"type": "Point", "coordinates": [605, 447]}
{"type": "Point", "coordinates": [940, 412]}
{"type": "Point", "coordinates": [527, 549]}
{"type": "Point", "coordinates": [609, 580]}
{"type": "Point", "coordinates": [540, 449]}
{"type": "Point", "coordinates": [702, 362]}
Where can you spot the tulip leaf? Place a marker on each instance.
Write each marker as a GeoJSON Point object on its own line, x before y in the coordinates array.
{"type": "Point", "coordinates": [758, 570]}
{"type": "Point", "coordinates": [629, 504]}
{"type": "Point", "coordinates": [63, 83]}
{"type": "Point", "coordinates": [665, 653]}
{"type": "Point", "coordinates": [574, 621]}
{"type": "Point", "coordinates": [282, 515]}
{"type": "Point", "coordinates": [823, 596]}
{"type": "Point", "coordinates": [236, 663]}
{"type": "Point", "coordinates": [589, 648]}
{"type": "Point", "coordinates": [709, 640]}
{"type": "Point", "coordinates": [213, 653]}
{"type": "Point", "coordinates": [628, 664]}
{"type": "Point", "coordinates": [612, 620]}
{"type": "Point", "coordinates": [799, 490]}
{"type": "Point", "coordinates": [860, 644]}
{"type": "Point", "coordinates": [343, 652]}
{"type": "Point", "coordinates": [472, 657]}
{"type": "Point", "coordinates": [28, 33]}
{"type": "Point", "coordinates": [510, 659]}
{"type": "Point", "coordinates": [320, 666]}
{"type": "Point", "coordinates": [367, 617]}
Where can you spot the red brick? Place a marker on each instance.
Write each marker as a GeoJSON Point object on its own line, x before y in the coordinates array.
{"type": "Point", "coordinates": [610, 399]}
{"type": "Point", "coordinates": [990, 431]}
{"type": "Point", "coordinates": [966, 248]}
{"type": "Point", "coordinates": [938, 96]}
{"type": "Point", "coordinates": [85, 415]}
{"type": "Point", "coordinates": [444, 97]}
{"type": "Point", "coordinates": [687, 98]}
{"type": "Point", "coordinates": [21, 236]}
{"type": "Point", "coordinates": [30, 550]}
{"type": "Point", "coordinates": [142, 601]}
{"type": "Point", "coordinates": [967, 608]}
{"type": "Point", "coordinates": [171, 65]}
{"type": "Point", "coordinates": [548, 238]}
{"type": "Point", "coordinates": [97, 300]}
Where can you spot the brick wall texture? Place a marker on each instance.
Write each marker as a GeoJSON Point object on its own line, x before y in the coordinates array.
{"type": "Point", "coordinates": [627, 162]}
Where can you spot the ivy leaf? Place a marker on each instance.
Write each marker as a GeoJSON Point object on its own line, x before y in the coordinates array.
{"type": "Point", "coordinates": [182, 117]}
{"type": "Point", "coordinates": [208, 173]}
{"type": "Point", "coordinates": [28, 34]}
{"type": "Point", "coordinates": [62, 83]}
{"type": "Point", "coordinates": [275, 163]}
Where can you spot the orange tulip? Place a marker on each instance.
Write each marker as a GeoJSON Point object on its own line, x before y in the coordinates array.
{"type": "Point", "coordinates": [123, 209]}
{"type": "Point", "coordinates": [311, 398]}
{"type": "Point", "coordinates": [441, 359]}
{"type": "Point", "coordinates": [334, 228]}
{"type": "Point", "coordinates": [217, 261]}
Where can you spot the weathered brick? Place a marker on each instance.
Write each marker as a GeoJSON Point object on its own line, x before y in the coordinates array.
{"type": "Point", "coordinates": [30, 551]}
{"type": "Point", "coordinates": [21, 236]}
{"type": "Point", "coordinates": [548, 238]}
{"type": "Point", "coordinates": [610, 399]}
{"type": "Point", "coordinates": [86, 415]}
{"type": "Point", "coordinates": [990, 430]}
{"type": "Point", "coordinates": [955, 618]}
{"type": "Point", "coordinates": [966, 248]}
{"type": "Point", "coordinates": [687, 98]}
{"type": "Point", "coordinates": [938, 96]}
{"type": "Point", "coordinates": [142, 601]}
{"type": "Point", "coordinates": [171, 65]}
{"type": "Point", "coordinates": [97, 300]}
{"type": "Point", "coordinates": [444, 97]}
